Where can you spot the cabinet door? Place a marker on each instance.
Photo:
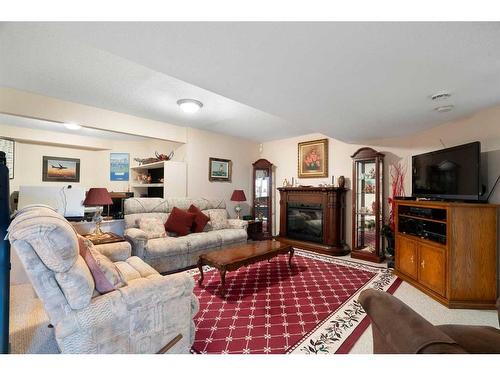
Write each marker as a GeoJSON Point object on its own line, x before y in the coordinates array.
{"type": "Point", "coordinates": [432, 268]}
{"type": "Point", "coordinates": [406, 256]}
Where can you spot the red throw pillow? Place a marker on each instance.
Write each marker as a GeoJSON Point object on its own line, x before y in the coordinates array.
{"type": "Point", "coordinates": [200, 219]}
{"type": "Point", "coordinates": [179, 222]}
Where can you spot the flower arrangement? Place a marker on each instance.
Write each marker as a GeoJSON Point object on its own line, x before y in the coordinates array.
{"type": "Point", "coordinates": [397, 173]}
{"type": "Point", "coordinates": [312, 160]}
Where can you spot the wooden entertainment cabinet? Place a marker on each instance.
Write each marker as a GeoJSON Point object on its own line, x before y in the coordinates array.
{"type": "Point", "coordinates": [448, 250]}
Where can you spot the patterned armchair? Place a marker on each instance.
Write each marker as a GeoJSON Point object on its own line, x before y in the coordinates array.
{"type": "Point", "coordinates": [141, 317]}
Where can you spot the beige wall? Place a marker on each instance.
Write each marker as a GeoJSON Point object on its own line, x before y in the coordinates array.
{"type": "Point", "coordinates": [22, 103]}
{"type": "Point", "coordinates": [94, 165]}
{"type": "Point", "coordinates": [283, 154]}
{"type": "Point", "coordinates": [201, 146]}
{"type": "Point", "coordinates": [483, 126]}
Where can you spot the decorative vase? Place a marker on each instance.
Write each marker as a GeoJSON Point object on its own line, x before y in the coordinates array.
{"type": "Point", "coordinates": [341, 182]}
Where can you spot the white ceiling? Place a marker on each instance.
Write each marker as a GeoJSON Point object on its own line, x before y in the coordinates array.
{"type": "Point", "coordinates": [351, 81]}
{"type": "Point", "coordinates": [31, 123]}
{"type": "Point", "coordinates": [38, 59]}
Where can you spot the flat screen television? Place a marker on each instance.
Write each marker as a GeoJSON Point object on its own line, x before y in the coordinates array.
{"type": "Point", "coordinates": [450, 174]}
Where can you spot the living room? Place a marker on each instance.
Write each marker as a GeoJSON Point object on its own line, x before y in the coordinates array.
{"type": "Point", "coordinates": [293, 188]}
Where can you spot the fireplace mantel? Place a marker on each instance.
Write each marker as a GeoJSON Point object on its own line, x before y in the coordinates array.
{"type": "Point", "coordinates": [311, 188]}
{"type": "Point", "coordinates": [332, 201]}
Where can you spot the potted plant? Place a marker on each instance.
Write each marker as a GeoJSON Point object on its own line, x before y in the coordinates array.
{"type": "Point", "coordinates": [397, 172]}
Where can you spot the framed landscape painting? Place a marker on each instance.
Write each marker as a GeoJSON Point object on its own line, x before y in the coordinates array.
{"type": "Point", "coordinates": [313, 159]}
{"type": "Point", "coordinates": [119, 163]}
{"type": "Point", "coordinates": [219, 170]}
{"type": "Point", "coordinates": [60, 169]}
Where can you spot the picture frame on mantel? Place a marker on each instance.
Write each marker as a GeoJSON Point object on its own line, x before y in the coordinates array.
{"type": "Point", "coordinates": [312, 159]}
{"type": "Point", "coordinates": [219, 170]}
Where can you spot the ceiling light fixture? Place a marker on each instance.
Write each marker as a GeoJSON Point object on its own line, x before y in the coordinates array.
{"type": "Point", "coordinates": [444, 108]}
{"type": "Point", "coordinates": [72, 126]}
{"type": "Point", "coordinates": [190, 105]}
{"type": "Point", "coordinates": [442, 95]}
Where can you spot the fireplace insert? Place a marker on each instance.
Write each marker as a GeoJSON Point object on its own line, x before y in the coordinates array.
{"type": "Point", "coordinates": [305, 221]}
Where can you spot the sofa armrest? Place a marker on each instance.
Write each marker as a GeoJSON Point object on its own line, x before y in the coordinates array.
{"type": "Point", "coordinates": [116, 252]}
{"type": "Point", "coordinates": [138, 239]}
{"type": "Point", "coordinates": [237, 224]}
{"type": "Point", "coordinates": [398, 329]}
{"type": "Point", "coordinates": [157, 307]}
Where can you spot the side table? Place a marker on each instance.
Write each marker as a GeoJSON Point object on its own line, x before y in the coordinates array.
{"type": "Point", "coordinates": [255, 231]}
{"type": "Point", "coordinates": [105, 238]}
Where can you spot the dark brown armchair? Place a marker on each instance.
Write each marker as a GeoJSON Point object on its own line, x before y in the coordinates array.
{"type": "Point", "coordinates": [397, 329]}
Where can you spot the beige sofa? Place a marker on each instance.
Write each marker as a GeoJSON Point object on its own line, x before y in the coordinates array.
{"type": "Point", "coordinates": [175, 253]}
{"type": "Point", "coordinates": [141, 317]}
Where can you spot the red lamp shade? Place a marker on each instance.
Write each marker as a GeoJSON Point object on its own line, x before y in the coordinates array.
{"type": "Point", "coordinates": [97, 197]}
{"type": "Point", "coordinates": [238, 196]}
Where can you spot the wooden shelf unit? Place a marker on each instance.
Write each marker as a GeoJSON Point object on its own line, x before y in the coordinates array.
{"type": "Point", "coordinates": [174, 179]}
{"type": "Point", "coordinates": [461, 273]}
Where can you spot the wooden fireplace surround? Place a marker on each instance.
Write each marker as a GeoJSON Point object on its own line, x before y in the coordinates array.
{"type": "Point", "coordinates": [332, 200]}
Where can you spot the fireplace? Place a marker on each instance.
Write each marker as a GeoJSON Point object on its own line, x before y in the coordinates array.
{"type": "Point", "coordinates": [305, 221]}
{"type": "Point", "coordinates": [313, 218]}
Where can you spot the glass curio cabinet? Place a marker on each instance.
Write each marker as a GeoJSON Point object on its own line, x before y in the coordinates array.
{"type": "Point", "coordinates": [262, 208]}
{"type": "Point", "coordinates": [367, 205]}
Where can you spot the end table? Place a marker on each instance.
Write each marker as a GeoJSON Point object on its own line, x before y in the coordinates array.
{"type": "Point", "coordinates": [105, 238]}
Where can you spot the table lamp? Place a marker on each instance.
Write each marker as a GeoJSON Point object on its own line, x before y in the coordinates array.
{"type": "Point", "coordinates": [97, 197]}
{"type": "Point", "coordinates": [238, 196]}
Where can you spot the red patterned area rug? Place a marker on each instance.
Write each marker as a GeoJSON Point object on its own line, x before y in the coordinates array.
{"type": "Point", "coordinates": [310, 308]}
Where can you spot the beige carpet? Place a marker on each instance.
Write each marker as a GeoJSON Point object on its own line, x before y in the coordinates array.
{"type": "Point", "coordinates": [29, 332]}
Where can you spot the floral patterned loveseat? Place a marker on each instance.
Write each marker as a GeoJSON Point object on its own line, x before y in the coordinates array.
{"type": "Point", "coordinates": [175, 253]}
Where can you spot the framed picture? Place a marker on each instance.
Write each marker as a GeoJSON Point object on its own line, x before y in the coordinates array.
{"type": "Point", "coordinates": [313, 159]}
{"type": "Point", "coordinates": [219, 170]}
{"type": "Point", "coordinates": [60, 169]}
{"type": "Point", "coordinates": [119, 164]}
{"type": "Point", "coordinates": [8, 146]}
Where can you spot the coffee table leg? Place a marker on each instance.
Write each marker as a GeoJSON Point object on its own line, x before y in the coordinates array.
{"type": "Point", "coordinates": [223, 281]}
{"type": "Point", "coordinates": [290, 256]}
{"type": "Point", "coordinates": [200, 267]}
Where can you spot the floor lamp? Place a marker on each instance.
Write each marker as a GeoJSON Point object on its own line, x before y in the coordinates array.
{"type": "Point", "coordinates": [4, 255]}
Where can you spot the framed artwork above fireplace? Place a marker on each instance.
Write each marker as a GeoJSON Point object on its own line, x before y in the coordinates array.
{"type": "Point", "coordinates": [313, 159]}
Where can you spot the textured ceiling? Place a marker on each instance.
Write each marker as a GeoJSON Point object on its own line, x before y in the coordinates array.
{"type": "Point", "coordinates": [351, 81]}
{"type": "Point", "coordinates": [30, 123]}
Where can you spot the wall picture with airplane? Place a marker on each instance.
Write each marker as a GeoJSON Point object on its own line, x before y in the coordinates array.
{"type": "Point", "coordinates": [60, 169]}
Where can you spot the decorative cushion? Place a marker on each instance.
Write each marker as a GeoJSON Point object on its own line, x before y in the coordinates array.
{"type": "Point", "coordinates": [106, 275]}
{"type": "Point", "coordinates": [153, 227]}
{"type": "Point", "coordinates": [200, 219]}
{"type": "Point", "coordinates": [218, 219]}
{"type": "Point", "coordinates": [179, 222]}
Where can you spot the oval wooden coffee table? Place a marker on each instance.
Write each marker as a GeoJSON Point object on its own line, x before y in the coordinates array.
{"type": "Point", "coordinates": [232, 258]}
